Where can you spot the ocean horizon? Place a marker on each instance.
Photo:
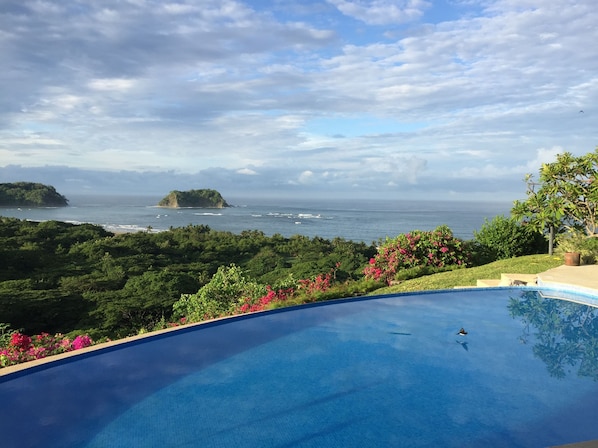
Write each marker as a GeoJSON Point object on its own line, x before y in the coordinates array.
{"type": "Point", "coordinates": [362, 220]}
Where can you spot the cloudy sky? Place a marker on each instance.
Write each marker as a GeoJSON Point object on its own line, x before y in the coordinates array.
{"type": "Point", "coordinates": [360, 98]}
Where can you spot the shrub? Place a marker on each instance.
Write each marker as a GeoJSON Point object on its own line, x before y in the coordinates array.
{"type": "Point", "coordinates": [251, 305]}
{"type": "Point", "coordinates": [576, 241]}
{"type": "Point", "coordinates": [589, 250]}
{"type": "Point", "coordinates": [504, 238]}
{"type": "Point", "coordinates": [22, 348]}
{"type": "Point", "coordinates": [437, 248]}
{"type": "Point", "coordinates": [228, 288]}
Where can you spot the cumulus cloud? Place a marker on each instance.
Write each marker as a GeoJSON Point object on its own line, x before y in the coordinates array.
{"type": "Point", "coordinates": [543, 155]}
{"type": "Point", "coordinates": [470, 91]}
{"type": "Point", "coordinates": [306, 177]}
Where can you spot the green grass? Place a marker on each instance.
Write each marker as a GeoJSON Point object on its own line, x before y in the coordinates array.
{"type": "Point", "coordinates": [530, 264]}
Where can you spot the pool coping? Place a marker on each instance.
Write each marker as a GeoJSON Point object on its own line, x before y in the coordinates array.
{"type": "Point", "coordinates": [582, 295]}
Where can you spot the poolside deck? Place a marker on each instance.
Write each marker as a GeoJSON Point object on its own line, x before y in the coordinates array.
{"type": "Point", "coordinates": [584, 278]}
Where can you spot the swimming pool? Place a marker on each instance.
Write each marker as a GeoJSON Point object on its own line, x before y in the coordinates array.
{"type": "Point", "coordinates": [379, 371]}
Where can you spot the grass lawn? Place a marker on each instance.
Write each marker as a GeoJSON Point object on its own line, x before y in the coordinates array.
{"type": "Point", "coordinates": [530, 264]}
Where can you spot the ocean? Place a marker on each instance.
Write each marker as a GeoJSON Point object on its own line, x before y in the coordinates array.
{"type": "Point", "coordinates": [368, 221]}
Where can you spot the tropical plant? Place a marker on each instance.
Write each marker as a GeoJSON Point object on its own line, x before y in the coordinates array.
{"type": "Point", "coordinates": [565, 196]}
{"type": "Point", "coordinates": [22, 348]}
{"type": "Point", "coordinates": [504, 237]}
{"type": "Point", "coordinates": [576, 241]}
{"type": "Point", "coordinates": [228, 288]}
{"type": "Point", "coordinates": [437, 248]}
{"type": "Point", "coordinates": [572, 241]}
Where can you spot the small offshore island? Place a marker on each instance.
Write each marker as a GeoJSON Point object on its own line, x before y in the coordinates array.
{"type": "Point", "coordinates": [204, 198]}
{"type": "Point", "coordinates": [30, 194]}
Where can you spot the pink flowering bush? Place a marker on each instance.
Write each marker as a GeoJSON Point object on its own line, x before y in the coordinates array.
{"type": "Point", "coordinates": [437, 248]}
{"type": "Point", "coordinates": [313, 286]}
{"type": "Point", "coordinates": [80, 342]}
{"type": "Point", "coordinates": [22, 348]}
{"type": "Point", "coordinates": [231, 292]}
{"type": "Point", "coordinates": [308, 288]}
{"type": "Point", "coordinates": [250, 305]}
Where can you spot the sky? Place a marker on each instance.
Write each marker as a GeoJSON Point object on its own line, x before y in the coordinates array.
{"type": "Point", "coordinates": [404, 99]}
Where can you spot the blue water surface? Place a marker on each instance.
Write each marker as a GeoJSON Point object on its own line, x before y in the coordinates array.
{"type": "Point", "coordinates": [382, 371]}
{"type": "Point", "coordinates": [356, 220]}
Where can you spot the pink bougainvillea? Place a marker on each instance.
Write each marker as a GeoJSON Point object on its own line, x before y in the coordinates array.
{"type": "Point", "coordinates": [81, 342]}
{"type": "Point", "coordinates": [23, 348]}
{"type": "Point", "coordinates": [437, 248]}
{"type": "Point", "coordinates": [251, 305]}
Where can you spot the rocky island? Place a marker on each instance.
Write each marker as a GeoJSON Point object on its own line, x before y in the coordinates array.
{"type": "Point", "coordinates": [30, 194]}
{"type": "Point", "coordinates": [204, 198]}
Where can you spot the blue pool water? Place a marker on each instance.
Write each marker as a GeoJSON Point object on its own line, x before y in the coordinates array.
{"type": "Point", "coordinates": [381, 371]}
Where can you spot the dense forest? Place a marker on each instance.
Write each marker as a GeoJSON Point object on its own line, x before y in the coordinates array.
{"type": "Point", "coordinates": [62, 278]}
{"type": "Point", "coordinates": [29, 194]}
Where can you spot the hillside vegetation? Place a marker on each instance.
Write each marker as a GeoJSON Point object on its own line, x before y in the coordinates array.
{"type": "Point", "coordinates": [58, 277]}
{"type": "Point", "coordinates": [529, 264]}
{"type": "Point", "coordinates": [204, 198]}
{"type": "Point", "coordinates": [29, 194]}
{"type": "Point", "coordinates": [84, 284]}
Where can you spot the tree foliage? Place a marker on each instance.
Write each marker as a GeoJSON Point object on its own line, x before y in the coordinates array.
{"type": "Point", "coordinates": [30, 194]}
{"type": "Point", "coordinates": [226, 290]}
{"type": "Point", "coordinates": [59, 277]}
{"type": "Point", "coordinates": [504, 237]}
{"type": "Point", "coordinates": [565, 196]}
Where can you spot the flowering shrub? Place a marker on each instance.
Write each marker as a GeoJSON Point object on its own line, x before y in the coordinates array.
{"type": "Point", "coordinates": [250, 305]}
{"type": "Point", "coordinates": [219, 297]}
{"type": "Point", "coordinates": [437, 248]}
{"type": "Point", "coordinates": [230, 292]}
{"type": "Point", "coordinates": [315, 285]}
{"type": "Point", "coordinates": [23, 348]}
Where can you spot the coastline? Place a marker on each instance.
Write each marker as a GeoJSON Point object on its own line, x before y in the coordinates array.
{"type": "Point", "coordinates": [366, 221]}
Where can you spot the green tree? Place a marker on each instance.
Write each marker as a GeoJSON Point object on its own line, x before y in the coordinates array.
{"type": "Point", "coordinates": [565, 196]}
{"type": "Point", "coordinates": [227, 288]}
{"type": "Point", "coordinates": [504, 237]}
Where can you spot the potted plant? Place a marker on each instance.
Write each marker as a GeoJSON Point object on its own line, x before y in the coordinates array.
{"type": "Point", "coordinates": [571, 244]}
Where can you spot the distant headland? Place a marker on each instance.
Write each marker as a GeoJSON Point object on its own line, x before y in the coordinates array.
{"type": "Point", "coordinates": [30, 194]}
{"type": "Point", "coordinates": [204, 198]}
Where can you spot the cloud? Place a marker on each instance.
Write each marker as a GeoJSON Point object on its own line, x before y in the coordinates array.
{"type": "Point", "coordinates": [543, 155]}
{"type": "Point", "coordinates": [247, 172]}
{"type": "Point", "coordinates": [381, 12]}
{"type": "Point", "coordinates": [306, 177]}
{"type": "Point", "coordinates": [294, 97]}
{"type": "Point", "coordinates": [396, 168]}
{"type": "Point", "coordinates": [107, 84]}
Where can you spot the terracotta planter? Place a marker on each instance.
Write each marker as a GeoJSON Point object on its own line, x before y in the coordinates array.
{"type": "Point", "coordinates": [572, 258]}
